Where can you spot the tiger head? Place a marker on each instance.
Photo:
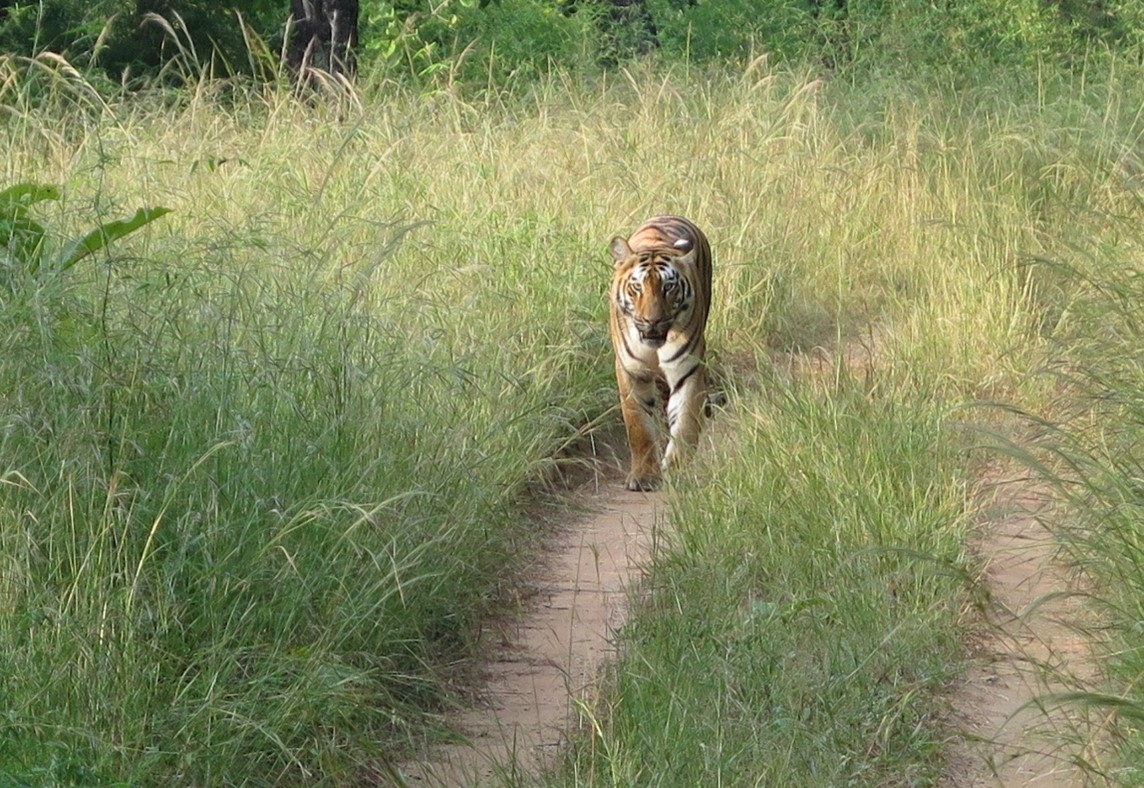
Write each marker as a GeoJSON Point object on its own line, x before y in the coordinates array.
{"type": "Point", "coordinates": [651, 286]}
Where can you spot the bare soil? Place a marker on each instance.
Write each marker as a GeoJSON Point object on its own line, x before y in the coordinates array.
{"type": "Point", "coordinates": [546, 660]}
{"type": "Point", "coordinates": [1031, 643]}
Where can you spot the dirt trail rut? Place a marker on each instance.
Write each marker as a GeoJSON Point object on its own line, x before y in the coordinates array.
{"type": "Point", "coordinates": [1032, 644]}
{"type": "Point", "coordinates": [549, 656]}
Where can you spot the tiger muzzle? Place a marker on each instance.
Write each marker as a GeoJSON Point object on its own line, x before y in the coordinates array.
{"type": "Point", "coordinates": [654, 334]}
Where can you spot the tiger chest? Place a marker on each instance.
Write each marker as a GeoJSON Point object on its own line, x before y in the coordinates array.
{"type": "Point", "coordinates": [641, 359]}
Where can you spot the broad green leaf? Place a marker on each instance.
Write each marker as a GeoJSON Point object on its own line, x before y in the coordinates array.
{"type": "Point", "coordinates": [22, 195]}
{"type": "Point", "coordinates": [106, 233]}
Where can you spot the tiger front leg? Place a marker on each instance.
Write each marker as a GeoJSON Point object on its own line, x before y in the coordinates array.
{"type": "Point", "coordinates": [685, 408]}
{"type": "Point", "coordinates": [638, 403]}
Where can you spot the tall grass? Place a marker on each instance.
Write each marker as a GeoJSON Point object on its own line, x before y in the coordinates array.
{"type": "Point", "coordinates": [802, 617]}
{"type": "Point", "coordinates": [1088, 448]}
{"type": "Point", "coordinates": [263, 468]}
{"type": "Point", "coordinates": [262, 464]}
{"type": "Point", "coordinates": [802, 621]}
{"type": "Point", "coordinates": [1083, 438]}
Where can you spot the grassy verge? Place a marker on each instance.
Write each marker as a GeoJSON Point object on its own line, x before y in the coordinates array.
{"type": "Point", "coordinates": [263, 464]}
{"type": "Point", "coordinates": [1088, 449]}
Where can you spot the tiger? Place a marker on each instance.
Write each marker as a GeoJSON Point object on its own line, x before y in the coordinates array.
{"type": "Point", "coordinates": [659, 300]}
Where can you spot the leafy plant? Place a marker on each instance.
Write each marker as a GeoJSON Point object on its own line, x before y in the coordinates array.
{"type": "Point", "coordinates": [24, 242]}
{"type": "Point", "coordinates": [732, 30]}
{"type": "Point", "coordinates": [505, 41]}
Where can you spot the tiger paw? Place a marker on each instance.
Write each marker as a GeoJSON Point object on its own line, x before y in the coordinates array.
{"type": "Point", "coordinates": [643, 484]}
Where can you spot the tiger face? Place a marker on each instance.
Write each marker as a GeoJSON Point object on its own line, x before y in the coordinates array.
{"type": "Point", "coordinates": [655, 294]}
{"type": "Point", "coordinates": [659, 300]}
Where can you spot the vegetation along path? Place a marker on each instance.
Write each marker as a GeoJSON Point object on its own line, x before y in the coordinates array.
{"type": "Point", "coordinates": [280, 369]}
{"type": "Point", "coordinates": [541, 664]}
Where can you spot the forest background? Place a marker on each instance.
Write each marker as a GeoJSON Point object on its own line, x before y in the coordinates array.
{"type": "Point", "coordinates": [522, 38]}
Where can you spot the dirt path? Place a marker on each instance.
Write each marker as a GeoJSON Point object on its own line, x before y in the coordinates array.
{"type": "Point", "coordinates": [1031, 644]}
{"type": "Point", "coordinates": [549, 656]}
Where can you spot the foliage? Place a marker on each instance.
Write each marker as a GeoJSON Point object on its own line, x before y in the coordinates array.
{"type": "Point", "coordinates": [800, 609]}
{"type": "Point", "coordinates": [1089, 449]}
{"type": "Point", "coordinates": [873, 33]}
{"type": "Point", "coordinates": [516, 40]}
{"type": "Point", "coordinates": [23, 240]}
{"type": "Point", "coordinates": [265, 471]}
{"type": "Point", "coordinates": [487, 42]}
{"type": "Point", "coordinates": [68, 27]}
{"type": "Point", "coordinates": [1115, 23]}
{"type": "Point", "coordinates": [753, 655]}
{"type": "Point", "coordinates": [735, 29]}
{"type": "Point", "coordinates": [117, 36]}
{"type": "Point", "coordinates": [482, 43]}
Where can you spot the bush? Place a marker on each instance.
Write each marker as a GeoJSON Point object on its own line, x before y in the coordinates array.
{"type": "Point", "coordinates": [732, 29]}
{"type": "Point", "coordinates": [69, 27]}
{"type": "Point", "coordinates": [114, 34]}
{"type": "Point", "coordinates": [510, 39]}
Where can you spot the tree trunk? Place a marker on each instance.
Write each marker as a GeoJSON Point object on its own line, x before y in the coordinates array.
{"type": "Point", "coordinates": [324, 36]}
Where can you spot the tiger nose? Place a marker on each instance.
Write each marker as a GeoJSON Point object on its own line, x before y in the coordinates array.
{"type": "Point", "coordinates": [656, 328]}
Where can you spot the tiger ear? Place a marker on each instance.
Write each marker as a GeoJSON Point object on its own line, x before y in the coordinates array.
{"type": "Point", "coordinates": [620, 250]}
{"type": "Point", "coordinates": [689, 257]}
